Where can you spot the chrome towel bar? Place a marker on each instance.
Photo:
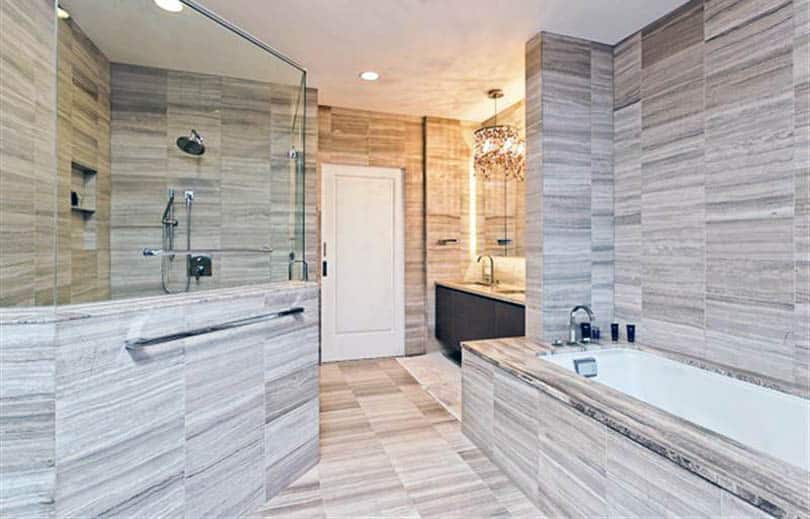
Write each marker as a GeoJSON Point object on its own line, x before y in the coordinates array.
{"type": "Point", "coordinates": [136, 344]}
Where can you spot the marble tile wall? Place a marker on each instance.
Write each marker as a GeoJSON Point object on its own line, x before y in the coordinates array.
{"type": "Point", "coordinates": [570, 178]}
{"type": "Point", "coordinates": [245, 184]}
{"type": "Point", "coordinates": [570, 465]}
{"type": "Point", "coordinates": [357, 137]}
{"type": "Point", "coordinates": [448, 159]}
{"type": "Point", "coordinates": [83, 137]}
{"type": "Point", "coordinates": [214, 424]}
{"type": "Point", "coordinates": [27, 152]}
{"type": "Point", "coordinates": [711, 186]}
{"type": "Point", "coordinates": [27, 409]}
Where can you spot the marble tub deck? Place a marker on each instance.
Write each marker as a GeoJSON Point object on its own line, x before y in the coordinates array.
{"type": "Point", "coordinates": [769, 484]}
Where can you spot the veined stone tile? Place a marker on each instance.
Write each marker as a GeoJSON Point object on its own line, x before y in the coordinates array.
{"type": "Point", "coordinates": [572, 448]}
{"type": "Point", "coordinates": [224, 473]}
{"type": "Point", "coordinates": [27, 427]}
{"type": "Point", "coordinates": [515, 432]}
{"type": "Point", "coordinates": [566, 137]}
{"type": "Point", "coordinates": [119, 423]}
{"type": "Point", "coordinates": [602, 211]}
{"type": "Point", "coordinates": [477, 401]}
{"type": "Point", "coordinates": [628, 230]}
{"type": "Point", "coordinates": [645, 484]}
{"type": "Point", "coordinates": [627, 71]}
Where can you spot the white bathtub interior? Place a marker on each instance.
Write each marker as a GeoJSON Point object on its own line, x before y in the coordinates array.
{"type": "Point", "coordinates": [763, 419]}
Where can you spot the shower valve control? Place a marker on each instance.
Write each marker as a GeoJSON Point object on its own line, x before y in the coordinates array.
{"type": "Point", "coordinates": [199, 266]}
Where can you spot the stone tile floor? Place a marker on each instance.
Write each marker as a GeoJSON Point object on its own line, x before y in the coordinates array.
{"type": "Point", "coordinates": [439, 376]}
{"type": "Point", "coordinates": [389, 449]}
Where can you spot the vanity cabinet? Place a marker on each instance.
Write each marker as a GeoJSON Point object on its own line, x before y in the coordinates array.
{"type": "Point", "coordinates": [462, 316]}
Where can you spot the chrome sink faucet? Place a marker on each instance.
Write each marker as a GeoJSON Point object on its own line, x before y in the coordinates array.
{"type": "Point", "coordinates": [572, 324]}
{"type": "Point", "coordinates": [491, 279]}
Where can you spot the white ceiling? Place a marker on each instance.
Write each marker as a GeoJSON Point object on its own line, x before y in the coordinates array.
{"type": "Point", "coordinates": [435, 57]}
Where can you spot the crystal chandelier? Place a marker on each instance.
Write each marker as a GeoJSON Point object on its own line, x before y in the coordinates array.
{"type": "Point", "coordinates": [499, 150]}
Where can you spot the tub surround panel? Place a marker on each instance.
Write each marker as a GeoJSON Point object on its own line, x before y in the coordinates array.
{"type": "Point", "coordinates": [602, 182]}
{"type": "Point", "coordinates": [654, 463]}
{"type": "Point", "coordinates": [572, 141]}
{"type": "Point", "coordinates": [356, 137]}
{"type": "Point", "coordinates": [673, 218]}
{"type": "Point", "coordinates": [711, 225]}
{"type": "Point", "coordinates": [515, 431]}
{"type": "Point", "coordinates": [477, 406]}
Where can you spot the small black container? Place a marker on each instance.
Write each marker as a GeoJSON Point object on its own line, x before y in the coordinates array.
{"type": "Point", "coordinates": [614, 332]}
{"type": "Point", "coordinates": [596, 333]}
{"type": "Point", "coordinates": [631, 333]}
{"type": "Point", "coordinates": [585, 328]}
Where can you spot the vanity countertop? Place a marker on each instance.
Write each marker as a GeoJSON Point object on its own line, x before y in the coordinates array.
{"type": "Point", "coordinates": [753, 476]}
{"type": "Point", "coordinates": [505, 293]}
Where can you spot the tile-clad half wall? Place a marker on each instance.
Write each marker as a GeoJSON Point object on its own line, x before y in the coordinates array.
{"type": "Point", "coordinates": [569, 189]}
{"type": "Point", "coordinates": [243, 185]}
{"type": "Point", "coordinates": [710, 110]}
{"type": "Point", "coordinates": [357, 137]}
{"type": "Point", "coordinates": [27, 152]}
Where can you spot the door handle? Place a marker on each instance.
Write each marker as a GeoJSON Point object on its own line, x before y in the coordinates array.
{"type": "Point", "coordinates": [324, 269]}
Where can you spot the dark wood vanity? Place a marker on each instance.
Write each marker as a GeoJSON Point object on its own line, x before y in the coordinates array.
{"type": "Point", "coordinates": [469, 314]}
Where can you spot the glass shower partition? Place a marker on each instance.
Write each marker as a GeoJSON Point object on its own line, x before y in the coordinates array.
{"type": "Point", "coordinates": [180, 145]}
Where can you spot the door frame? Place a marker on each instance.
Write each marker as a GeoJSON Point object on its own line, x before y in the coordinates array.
{"type": "Point", "coordinates": [329, 172]}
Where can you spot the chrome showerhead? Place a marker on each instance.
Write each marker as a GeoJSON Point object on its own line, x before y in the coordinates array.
{"type": "Point", "coordinates": [193, 144]}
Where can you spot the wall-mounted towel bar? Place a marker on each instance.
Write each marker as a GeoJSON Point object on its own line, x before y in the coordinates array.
{"type": "Point", "coordinates": [447, 241]}
{"type": "Point", "coordinates": [194, 252]}
{"type": "Point", "coordinates": [136, 344]}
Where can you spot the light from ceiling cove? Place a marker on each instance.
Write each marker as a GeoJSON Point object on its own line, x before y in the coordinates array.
{"type": "Point", "coordinates": [369, 75]}
{"type": "Point", "coordinates": [173, 6]}
{"type": "Point", "coordinates": [61, 13]}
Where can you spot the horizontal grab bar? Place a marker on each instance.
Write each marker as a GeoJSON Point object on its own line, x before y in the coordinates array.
{"type": "Point", "coordinates": [176, 252]}
{"type": "Point", "coordinates": [136, 344]}
{"type": "Point", "coordinates": [445, 241]}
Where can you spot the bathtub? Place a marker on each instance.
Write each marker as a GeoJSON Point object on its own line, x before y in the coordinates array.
{"type": "Point", "coordinates": [765, 420]}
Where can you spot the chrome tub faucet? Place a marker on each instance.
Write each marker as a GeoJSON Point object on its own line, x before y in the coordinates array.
{"type": "Point", "coordinates": [572, 324]}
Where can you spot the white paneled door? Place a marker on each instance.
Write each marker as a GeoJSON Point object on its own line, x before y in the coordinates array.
{"type": "Point", "coordinates": [363, 270]}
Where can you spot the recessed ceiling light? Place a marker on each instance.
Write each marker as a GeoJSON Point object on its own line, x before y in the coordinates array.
{"type": "Point", "coordinates": [369, 76]}
{"type": "Point", "coordinates": [173, 6]}
{"type": "Point", "coordinates": [61, 13]}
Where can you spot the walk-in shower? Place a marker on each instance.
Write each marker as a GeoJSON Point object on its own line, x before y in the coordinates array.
{"type": "Point", "coordinates": [136, 128]}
